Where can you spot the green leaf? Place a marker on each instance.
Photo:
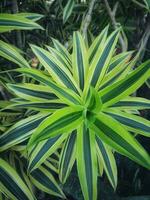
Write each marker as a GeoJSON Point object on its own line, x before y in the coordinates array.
{"type": "Point", "coordinates": [100, 63]}
{"type": "Point", "coordinates": [125, 87]}
{"type": "Point", "coordinates": [97, 43]}
{"type": "Point", "coordinates": [108, 161]}
{"type": "Point", "coordinates": [119, 64]}
{"type": "Point", "coordinates": [10, 22]}
{"type": "Point", "coordinates": [20, 132]}
{"type": "Point", "coordinates": [59, 72]}
{"type": "Point", "coordinates": [12, 54]}
{"type": "Point", "coordinates": [132, 103]}
{"type": "Point", "coordinates": [11, 184]}
{"type": "Point", "coordinates": [87, 162]}
{"type": "Point", "coordinates": [64, 94]}
{"type": "Point", "coordinates": [45, 181]}
{"type": "Point", "coordinates": [50, 106]}
{"type": "Point", "coordinates": [32, 16]}
{"type": "Point", "coordinates": [67, 157]}
{"type": "Point", "coordinates": [62, 59]}
{"type": "Point", "coordinates": [62, 50]}
{"type": "Point", "coordinates": [68, 10]}
{"type": "Point", "coordinates": [65, 119]}
{"type": "Point", "coordinates": [79, 59]}
{"type": "Point", "coordinates": [115, 135]}
{"type": "Point", "coordinates": [133, 123]}
{"type": "Point", "coordinates": [32, 92]}
{"type": "Point", "coordinates": [43, 150]}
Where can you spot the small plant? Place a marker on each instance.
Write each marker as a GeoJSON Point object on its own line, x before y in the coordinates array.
{"type": "Point", "coordinates": [81, 103]}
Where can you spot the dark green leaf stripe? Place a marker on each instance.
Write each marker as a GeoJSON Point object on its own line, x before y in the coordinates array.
{"type": "Point", "coordinates": [107, 162]}
{"type": "Point", "coordinates": [42, 151]}
{"type": "Point", "coordinates": [20, 131]}
{"type": "Point", "coordinates": [12, 184]}
{"type": "Point", "coordinates": [9, 52]}
{"type": "Point", "coordinates": [31, 16]}
{"type": "Point", "coordinates": [60, 57]}
{"type": "Point", "coordinates": [5, 22]}
{"type": "Point", "coordinates": [62, 50]}
{"type": "Point", "coordinates": [104, 57]}
{"type": "Point", "coordinates": [12, 21]}
{"type": "Point", "coordinates": [87, 163]}
{"type": "Point", "coordinates": [58, 91]}
{"type": "Point", "coordinates": [40, 105]}
{"type": "Point", "coordinates": [136, 123]}
{"type": "Point", "coordinates": [55, 67]}
{"type": "Point", "coordinates": [120, 139]}
{"type": "Point", "coordinates": [56, 126]}
{"type": "Point", "coordinates": [117, 60]}
{"type": "Point", "coordinates": [127, 86]}
{"type": "Point", "coordinates": [33, 91]}
{"type": "Point", "coordinates": [68, 10]}
{"type": "Point", "coordinates": [97, 42]}
{"type": "Point", "coordinates": [133, 103]}
{"type": "Point", "coordinates": [67, 157]}
{"type": "Point", "coordinates": [122, 64]}
{"type": "Point", "coordinates": [79, 59]}
{"type": "Point", "coordinates": [112, 79]}
{"type": "Point", "coordinates": [44, 180]}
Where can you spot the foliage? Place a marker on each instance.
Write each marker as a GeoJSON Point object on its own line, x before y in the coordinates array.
{"type": "Point", "coordinates": [78, 107]}
{"type": "Point", "coordinates": [82, 104]}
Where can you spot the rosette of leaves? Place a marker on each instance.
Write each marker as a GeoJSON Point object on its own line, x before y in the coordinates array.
{"type": "Point", "coordinates": [85, 99]}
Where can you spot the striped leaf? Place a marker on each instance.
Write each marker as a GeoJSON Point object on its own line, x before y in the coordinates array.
{"type": "Point", "coordinates": [13, 54]}
{"type": "Point", "coordinates": [117, 59]}
{"type": "Point", "coordinates": [65, 119]}
{"type": "Point", "coordinates": [59, 72]}
{"type": "Point", "coordinates": [32, 16]}
{"type": "Point", "coordinates": [20, 132]}
{"type": "Point", "coordinates": [43, 150]}
{"type": "Point", "coordinates": [68, 10]}
{"type": "Point", "coordinates": [125, 87]}
{"type": "Point", "coordinates": [108, 161]}
{"type": "Point", "coordinates": [11, 184]}
{"type": "Point", "coordinates": [133, 123]}
{"type": "Point", "coordinates": [97, 43]}
{"type": "Point", "coordinates": [62, 50]}
{"type": "Point", "coordinates": [32, 92]}
{"type": "Point", "coordinates": [10, 22]}
{"type": "Point", "coordinates": [132, 103]}
{"type": "Point", "coordinates": [64, 94]}
{"type": "Point", "coordinates": [79, 59]}
{"type": "Point", "coordinates": [50, 106]}
{"type": "Point", "coordinates": [62, 59]}
{"type": "Point", "coordinates": [87, 162]}
{"type": "Point", "coordinates": [116, 68]}
{"type": "Point", "coordinates": [100, 63]}
{"type": "Point", "coordinates": [67, 157]}
{"type": "Point", "coordinates": [115, 135]}
{"type": "Point", "coordinates": [46, 182]}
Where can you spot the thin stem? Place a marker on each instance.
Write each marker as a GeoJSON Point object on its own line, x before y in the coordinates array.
{"type": "Point", "coordinates": [143, 42]}
{"type": "Point", "coordinates": [15, 9]}
{"type": "Point", "coordinates": [88, 18]}
{"type": "Point", "coordinates": [114, 24]}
